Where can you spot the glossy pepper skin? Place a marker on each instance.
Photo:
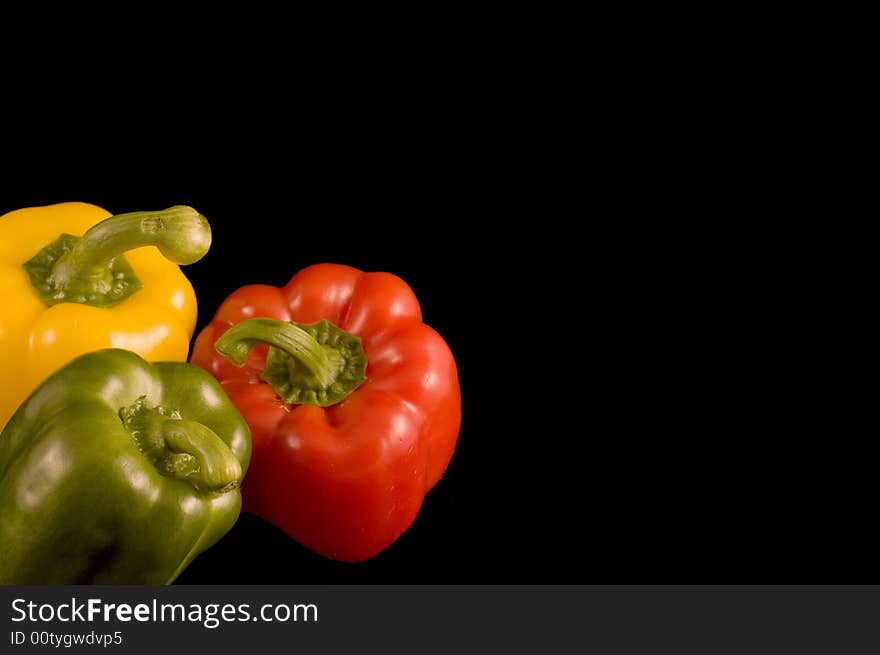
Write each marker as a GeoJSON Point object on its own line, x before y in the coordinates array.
{"type": "Point", "coordinates": [118, 291]}
{"type": "Point", "coordinates": [116, 471]}
{"type": "Point", "coordinates": [346, 479]}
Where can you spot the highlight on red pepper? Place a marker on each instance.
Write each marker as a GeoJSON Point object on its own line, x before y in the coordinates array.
{"type": "Point", "coordinates": [353, 403]}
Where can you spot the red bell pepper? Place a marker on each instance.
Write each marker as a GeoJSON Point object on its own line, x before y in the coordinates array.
{"type": "Point", "coordinates": [353, 404]}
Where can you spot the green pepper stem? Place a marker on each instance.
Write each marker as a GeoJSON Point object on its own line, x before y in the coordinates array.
{"type": "Point", "coordinates": [318, 364]}
{"type": "Point", "coordinates": [182, 449]}
{"type": "Point", "coordinates": [200, 456]}
{"type": "Point", "coordinates": [180, 233]}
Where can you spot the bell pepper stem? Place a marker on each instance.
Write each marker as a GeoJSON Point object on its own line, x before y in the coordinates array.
{"type": "Point", "coordinates": [318, 364]}
{"type": "Point", "coordinates": [92, 269]}
{"type": "Point", "coordinates": [180, 233]}
{"type": "Point", "coordinates": [200, 455]}
{"type": "Point", "coordinates": [323, 363]}
{"type": "Point", "coordinates": [180, 448]}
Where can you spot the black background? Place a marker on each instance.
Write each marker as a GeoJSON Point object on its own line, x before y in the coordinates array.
{"type": "Point", "coordinates": [639, 397]}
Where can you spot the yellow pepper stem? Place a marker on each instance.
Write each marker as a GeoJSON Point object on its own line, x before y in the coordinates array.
{"type": "Point", "coordinates": [92, 270]}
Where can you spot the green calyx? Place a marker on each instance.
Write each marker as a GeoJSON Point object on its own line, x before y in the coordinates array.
{"type": "Point", "coordinates": [92, 269]}
{"type": "Point", "coordinates": [318, 364]}
{"type": "Point", "coordinates": [181, 449]}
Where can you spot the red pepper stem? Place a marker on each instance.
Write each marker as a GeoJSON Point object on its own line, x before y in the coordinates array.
{"type": "Point", "coordinates": [318, 364]}
{"type": "Point", "coordinates": [323, 363]}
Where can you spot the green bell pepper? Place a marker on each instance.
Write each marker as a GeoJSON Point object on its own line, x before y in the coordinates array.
{"type": "Point", "coordinates": [116, 471]}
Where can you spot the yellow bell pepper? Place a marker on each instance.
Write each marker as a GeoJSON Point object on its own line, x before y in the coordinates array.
{"type": "Point", "coordinates": [61, 296]}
